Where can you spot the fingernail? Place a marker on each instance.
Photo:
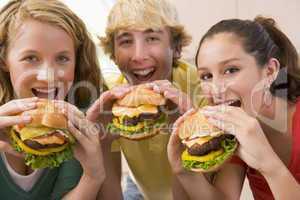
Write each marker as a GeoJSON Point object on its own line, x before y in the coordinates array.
{"type": "Point", "coordinates": [27, 118]}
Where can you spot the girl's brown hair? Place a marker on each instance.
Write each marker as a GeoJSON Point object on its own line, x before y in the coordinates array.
{"type": "Point", "coordinates": [262, 39]}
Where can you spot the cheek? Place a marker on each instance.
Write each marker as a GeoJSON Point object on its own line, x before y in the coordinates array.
{"type": "Point", "coordinates": [206, 88]}
{"type": "Point", "coordinates": [19, 76]}
{"type": "Point", "coordinates": [121, 57]}
{"type": "Point", "coordinates": [67, 75]}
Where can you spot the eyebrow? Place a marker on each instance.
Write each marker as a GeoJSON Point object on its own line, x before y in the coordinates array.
{"type": "Point", "coordinates": [147, 31]}
{"type": "Point", "coordinates": [150, 30]}
{"type": "Point", "coordinates": [124, 34]}
{"type": "Point", "coordinates": [221, 63]}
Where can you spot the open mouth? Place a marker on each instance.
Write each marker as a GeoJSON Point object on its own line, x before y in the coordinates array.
{"type": "Point", "coordinates": [235, 103]}
{"type": "Point", "coordinates": [47, 93]}
{"type": "Point", "coordinates": [144, 75]}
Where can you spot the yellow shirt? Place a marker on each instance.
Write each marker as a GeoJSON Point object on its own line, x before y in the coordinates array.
{"type": "Point", "coordinates": [147, 159]}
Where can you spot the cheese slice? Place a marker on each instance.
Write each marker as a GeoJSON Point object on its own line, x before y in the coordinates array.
{"type": "Point", "coordinates": [137, 127]}
{"type": "Point", "coordinates": [52, 139]}
{"type": "Point", "coordinates": [186, 156]}
{"type": "Point", "coordinates": [30, 132]}
{"type": "Point", "coordinates": [133, 112]}
{"type": "Point", "coordinates": [199, 140]}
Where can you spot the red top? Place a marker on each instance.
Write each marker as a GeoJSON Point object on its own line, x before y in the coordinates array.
{"type": "Point", "coordinates": [257, 182]}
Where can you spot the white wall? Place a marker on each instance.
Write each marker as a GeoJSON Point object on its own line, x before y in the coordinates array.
{"type": "Point", "coordinates": [199, 15]}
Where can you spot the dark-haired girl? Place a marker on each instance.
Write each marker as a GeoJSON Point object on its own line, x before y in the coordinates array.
{"type": "Point", "coordinates": [254, 64]}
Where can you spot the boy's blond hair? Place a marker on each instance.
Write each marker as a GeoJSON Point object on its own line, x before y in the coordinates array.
{"type": "Point", "coordinates": [142, 15]}
{"type": "Point", "coordinates": [53, 12]}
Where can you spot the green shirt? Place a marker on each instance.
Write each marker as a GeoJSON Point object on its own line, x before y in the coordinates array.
{"type": "Point", "coordinates": [53, 183]}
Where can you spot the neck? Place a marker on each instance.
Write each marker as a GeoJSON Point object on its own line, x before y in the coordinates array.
{"type": "Point", "coordinates": [277, 116]}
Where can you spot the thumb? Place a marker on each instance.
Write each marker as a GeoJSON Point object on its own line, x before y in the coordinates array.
{"type": "Point", "coordinates": [6, 147]}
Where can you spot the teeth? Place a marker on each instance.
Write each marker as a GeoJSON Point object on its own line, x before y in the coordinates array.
{"type": "Point", "coordinates": [143, 72]}
{"type": "Point", "coordinates": [227, 103]}
{"type": "Point", "coordinates": [46, 90]}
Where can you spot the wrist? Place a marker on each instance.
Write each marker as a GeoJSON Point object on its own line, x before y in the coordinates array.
{"type": "Point", "coordinates": [274, 168]}
{"type": "Point", "coordinates": [95, 179]}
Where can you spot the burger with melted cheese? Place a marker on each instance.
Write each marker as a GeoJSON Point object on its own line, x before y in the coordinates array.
{"type": "Point", "coordinates": [138, 114]}
{"type": "Point", "coordinates": [46, 141]}
{"type": "Point", "coordinates": [207, 147]}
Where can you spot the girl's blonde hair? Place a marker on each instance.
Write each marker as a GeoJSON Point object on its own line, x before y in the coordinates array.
{"type": "Point", "coordinates": [142, 15]}
{"type": "Point", "coordinates": [53, 12]}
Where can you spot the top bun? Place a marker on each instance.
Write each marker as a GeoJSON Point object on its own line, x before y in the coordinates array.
{"type": "Point", "coordinates": [198, 125]}
{"type": "Point", "coordinates": [141, 95]}
{"type": "Point", "coordinates": [46, 114]}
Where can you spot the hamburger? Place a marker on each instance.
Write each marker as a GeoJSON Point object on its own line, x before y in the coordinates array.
{"type": "Point", "coordinates": [138, 115]}
{"type": "Point", "coordinates": [46, 141]}
{"type": "Point", "coordinates": [207, 147]}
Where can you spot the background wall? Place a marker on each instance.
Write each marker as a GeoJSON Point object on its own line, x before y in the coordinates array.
{"type": "Point", "coordinates": [199, 15]}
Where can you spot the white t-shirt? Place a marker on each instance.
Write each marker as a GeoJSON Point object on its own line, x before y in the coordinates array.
{"type": "Point", "coordinates": [24, 182]}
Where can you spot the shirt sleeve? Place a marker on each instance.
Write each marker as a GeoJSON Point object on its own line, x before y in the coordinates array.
{"type": "Point", "coordinates": [68, 177]}
{"type": "Point", "coordinates": [236, 160]}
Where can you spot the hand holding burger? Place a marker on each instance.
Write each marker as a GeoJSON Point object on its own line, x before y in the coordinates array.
{"type": "Point", "coordinates": [138, 114]}
{"type": "Point", "coordinates": [206, 146]}
{"type": "Point", "coordinates": [46, 141]}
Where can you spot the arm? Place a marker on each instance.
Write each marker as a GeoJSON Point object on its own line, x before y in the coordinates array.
{"type": "Point", "coordinates": [87, 151]}
{"type": "Point", "coordinates": [227, 184]}
{"type": "Point", "coordinates": [111, 188]}
{"type": "Point", "coordinates": [87, 188]}
{"type": "Point", "coordinates": [178, 190]}
{"type": "Point", "coordinates": [282, 183]}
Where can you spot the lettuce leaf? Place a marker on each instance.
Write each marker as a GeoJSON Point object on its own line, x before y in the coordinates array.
{"type": "Point", "coordinates": [50, 161]}
{"type": "Point", "coordinates": [229, 146]}
{"type": "Point", "coordinates": [147, 128]}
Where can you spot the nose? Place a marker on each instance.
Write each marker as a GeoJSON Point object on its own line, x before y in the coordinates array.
{"type": "Point", "coordinates": [46, 73]}
{"type": "Point", "coordinates": [139, 51]}
{"type": "Point", "coordinates": [218, 89]}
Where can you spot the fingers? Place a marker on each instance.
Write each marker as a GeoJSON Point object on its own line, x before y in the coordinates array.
{"type": "Point", "coordinates": [89, 129]}
{"type": "Point", "coordinates": [81, 138]}
{"type": "Point", "coordinates": [106, 100]}
{"type": "Point", "coordinates": [232, 116]}
{"type": "Point", "coordinates": [183, 117]}
{"type": "Point", "coordinates": [160, 86]}
{"type": "Point", "coordinates": [6, 121]}
{"type": "Point", "coordinates": [68, 108]}
{"type": "Point", "coordinates": [169, 91]}
{"type": "Point", "coordinates": [15, 107]}
{"type": "Point", "coordinates": [5, 147]}
{"type": "Point", "coordinates": [174, 145]}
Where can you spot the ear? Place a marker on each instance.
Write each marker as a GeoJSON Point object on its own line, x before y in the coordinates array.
{"type": "Point", "coordinates": [176, 52]}
{"type": "Point", "coordinates": [272, 69]}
